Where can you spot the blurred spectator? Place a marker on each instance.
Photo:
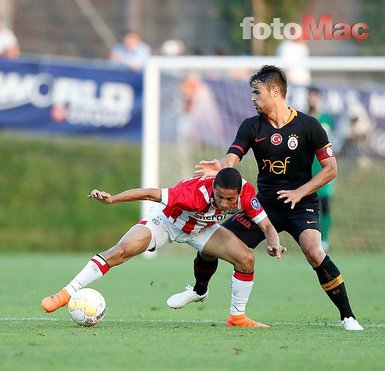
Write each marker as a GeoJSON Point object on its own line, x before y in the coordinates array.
{"type": "Point", "coordinates": [9, 46]}
{"type": "Point", "coordinates": [354, 132]}
{"type": "Point", "coordinates": [132, 52]}
{"type": "Point", "coordinates": [173, 47]}
{"type": "Point", "coordinates": [199, 123]}
{"type": "Point", "coordinates": [326, 192]}
{"type": "Point", "coordinates": [202, 122]}
{"type": "Point", "coordinates": [294, 54]}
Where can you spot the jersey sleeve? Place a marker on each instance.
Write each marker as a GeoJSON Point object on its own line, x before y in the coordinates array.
{"type": "Point", "coordinates": [250, 204]}
{"type": "Point", "coordinates": [243, 140]}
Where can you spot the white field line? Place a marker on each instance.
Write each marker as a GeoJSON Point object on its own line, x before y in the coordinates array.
{"type": "Point", "coordinates": [283, 323]}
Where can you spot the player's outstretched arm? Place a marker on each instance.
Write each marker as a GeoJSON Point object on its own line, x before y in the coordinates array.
{"type": "Point", "coordinates": [274, 247]}
{"type": "Point", "coordinates": [145, 194]}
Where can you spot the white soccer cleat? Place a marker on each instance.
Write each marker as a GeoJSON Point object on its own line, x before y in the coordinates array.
{"type": "Point", "coordinates": [351, 324]}
{"type": "Point", "coordinates": [186, 297]}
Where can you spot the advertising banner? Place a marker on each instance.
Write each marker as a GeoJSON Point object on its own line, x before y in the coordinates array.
{"type": "Point", "coordinates": [71, 99]}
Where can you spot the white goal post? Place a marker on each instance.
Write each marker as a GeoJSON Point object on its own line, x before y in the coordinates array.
{"type": "Point", "coordinates": [153, 93]}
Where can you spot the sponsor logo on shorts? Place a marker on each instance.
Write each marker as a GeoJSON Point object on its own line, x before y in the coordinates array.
{"type": "Point", "coordinates": [156, 221]}
{"type": "Point", "coordinates": [241, 220]}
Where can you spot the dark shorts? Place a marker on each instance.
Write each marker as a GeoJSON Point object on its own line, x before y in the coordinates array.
{"type": "Point", "coordinates": [284, 219]}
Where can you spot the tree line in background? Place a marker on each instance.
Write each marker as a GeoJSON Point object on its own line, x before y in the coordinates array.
{"type": "Point", "coordinates": [371, 12]}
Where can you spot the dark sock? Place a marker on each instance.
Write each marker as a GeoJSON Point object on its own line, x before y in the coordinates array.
{"type": "Point", "coordinates": [332, 282]}
{"type": "Point", "coordinates": [203, 271]}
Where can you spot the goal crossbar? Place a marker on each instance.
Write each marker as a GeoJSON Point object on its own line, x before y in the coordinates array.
{"type": "Point", "coordinates": [151, 107]}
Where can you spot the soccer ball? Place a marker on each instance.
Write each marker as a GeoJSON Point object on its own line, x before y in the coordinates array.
{"type": "Point", "coordinates": [87, 307]}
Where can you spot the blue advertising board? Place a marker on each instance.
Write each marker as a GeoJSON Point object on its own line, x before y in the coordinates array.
{"type": "Point", "coordinates": [71, 98]}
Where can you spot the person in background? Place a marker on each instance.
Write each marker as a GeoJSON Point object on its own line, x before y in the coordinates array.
{"type": "Point", "coordinates": [132, 52]}
{"type": "Point", "coordinates": [172, 48]}
{"type": "Point", "coordinates": [9, 45]}
{"type": "Point", "coordinates": [354, 131]}
{"type": "Point", "coordinates": [326, 192]}
{"type": "Point", "coordinates": [294, 53]}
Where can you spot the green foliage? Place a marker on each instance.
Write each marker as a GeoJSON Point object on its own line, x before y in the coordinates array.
{"type": "Point", "coordinates": [232, 13]}
{"type": "Point", "coordinates": [373, 13]}
{"type": "Point", "coordinates": [287, 11]}
{"type": "Point", "coordinates": [45, 182]}
{"type": "Point", "coordinates": [140, 332]}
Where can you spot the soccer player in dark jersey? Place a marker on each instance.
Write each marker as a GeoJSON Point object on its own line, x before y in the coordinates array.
{"type": "Point", "coordinates": [284, 143]}
{"type": "Point", "coordinates": [191, 213]}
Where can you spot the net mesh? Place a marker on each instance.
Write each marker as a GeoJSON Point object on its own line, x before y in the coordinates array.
{"type": "Point", "coordinates": [201, 110]}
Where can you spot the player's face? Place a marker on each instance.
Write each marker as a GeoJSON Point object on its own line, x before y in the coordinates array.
{"type": "Point", "coordinates": [225, 198]}
{"type": "Point", "coordinates": [262, 98]}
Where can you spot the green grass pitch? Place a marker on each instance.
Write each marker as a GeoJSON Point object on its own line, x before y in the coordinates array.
{"type": "Point", "coordinates": [45, 210]}
{"type": "Point", "coordinates": [140, 332]}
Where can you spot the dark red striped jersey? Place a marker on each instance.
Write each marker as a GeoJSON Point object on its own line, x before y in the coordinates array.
{"type": "Point", "coordinates": [284, 156]}
{"type": "Point", "coordinates": [190, 204]}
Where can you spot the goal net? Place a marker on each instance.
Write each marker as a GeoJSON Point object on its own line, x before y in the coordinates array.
{"type": "Point", "coordinates": [193, 107]}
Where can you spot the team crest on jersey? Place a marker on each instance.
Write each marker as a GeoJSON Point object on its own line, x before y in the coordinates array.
{"type": "Point", "coordinates": [255, 204]}
{"type": "Point", "coordinates": [292, 143]}
{"type": "Point", "coordinates": [276, 139]}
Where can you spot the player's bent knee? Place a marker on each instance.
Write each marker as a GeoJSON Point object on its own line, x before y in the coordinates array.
{"type": "Point", "coordinates": [122, 252]}
{"type": "Point", "coordinates": [315, 257]}
{"type": "Point", "coordinates": [246, 263]}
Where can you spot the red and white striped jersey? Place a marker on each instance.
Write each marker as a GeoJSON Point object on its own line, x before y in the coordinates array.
{"type": "Point", "coordinates": [190, 204]}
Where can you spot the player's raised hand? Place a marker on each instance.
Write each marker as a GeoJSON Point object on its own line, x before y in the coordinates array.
{"type": "Point", "coordinates": [277, 251]}
{"type": "Point", "coordinates": [208, 168]}
{"type": "Point", "coordinates": [100, 196]}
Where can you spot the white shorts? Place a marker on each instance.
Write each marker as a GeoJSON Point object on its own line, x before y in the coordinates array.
{"type": "Point", "coordinates": [164, 231]}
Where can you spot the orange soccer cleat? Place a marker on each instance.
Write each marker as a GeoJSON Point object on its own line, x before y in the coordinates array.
{"type": "Point", "coordinates": [53, 302]}
{"type": "Point", "coordinates": [243, 321]}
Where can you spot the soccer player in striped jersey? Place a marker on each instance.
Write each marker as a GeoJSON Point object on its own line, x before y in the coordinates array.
{"type": "Point", "coordinates": [284, 143]}
{"type": "Point", "coordinates": [190, 215]}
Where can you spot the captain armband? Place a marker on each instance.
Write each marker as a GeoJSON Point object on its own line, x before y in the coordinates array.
{"type": "Point", "coordinates": [324, 152]}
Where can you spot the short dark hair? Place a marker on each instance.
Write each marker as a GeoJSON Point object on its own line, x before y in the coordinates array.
{"type": "Point", "coordinates": [229, 178]}
{"type": "Point", "coordinates": [314, 89]}
{"type": "Point", "coordinates": [126, 31]}
{"type": "Point", "coordinates": [270, 75]}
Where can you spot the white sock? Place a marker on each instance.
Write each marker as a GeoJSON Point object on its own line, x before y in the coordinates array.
{"type": "Point", "coordinates": [241, 286]}
{"type": "Point", "coordinates": [94, 269]}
